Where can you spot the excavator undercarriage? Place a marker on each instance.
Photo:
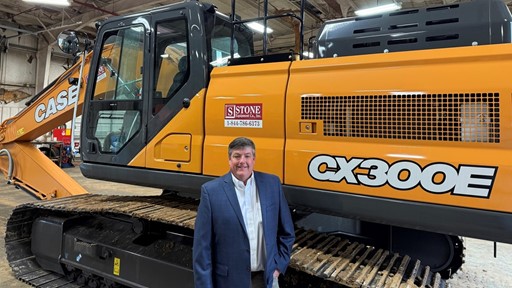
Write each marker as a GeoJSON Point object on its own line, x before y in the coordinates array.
{"type": "Point", "coordinates": [116, 241]}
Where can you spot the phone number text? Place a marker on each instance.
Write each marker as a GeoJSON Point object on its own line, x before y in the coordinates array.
{"type": "Point", "coordinates": [244, 123]}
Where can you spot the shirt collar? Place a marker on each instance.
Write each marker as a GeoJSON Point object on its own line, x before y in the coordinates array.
{"type": "Point", "coordinates": [240, 184]}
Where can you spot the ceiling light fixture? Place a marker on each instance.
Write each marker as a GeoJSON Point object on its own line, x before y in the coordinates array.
{"type": "Point", "coordinates": [49, 2]}
{"type": "Point", "coordinates": [258, 27]}
{"type": "Point", "coordinates": [379, 9]}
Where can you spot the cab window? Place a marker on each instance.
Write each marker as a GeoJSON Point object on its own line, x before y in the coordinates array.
{"type": "Point", "coordinates": [220, 40]}
{"type": "Point", "coordinates": [116, 106]}
{"type": "Point", "coordinates": [172, 61]}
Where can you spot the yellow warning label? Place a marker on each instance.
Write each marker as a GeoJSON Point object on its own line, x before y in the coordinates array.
{"type": "Point", "coordinates": [117, 266]}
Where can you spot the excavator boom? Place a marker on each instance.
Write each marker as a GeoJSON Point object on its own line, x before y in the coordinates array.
{"type": "Point", "coordinates": [24, 165]}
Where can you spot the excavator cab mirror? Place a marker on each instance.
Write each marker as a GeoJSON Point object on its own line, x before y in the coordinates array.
{"type": "Point", "coordinates": [72, 42]}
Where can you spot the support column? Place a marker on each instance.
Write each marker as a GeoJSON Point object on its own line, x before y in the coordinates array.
{"type": "Point", "coordinates": [44, 57]}
{"type": "Point", "coordinates": [2, 79]}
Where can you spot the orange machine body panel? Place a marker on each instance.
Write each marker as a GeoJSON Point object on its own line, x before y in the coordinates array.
{"type": "Point", "coordinates": [179, 145]}
{"type": "Point", "coordinates": [249, 101]}
{"type": "Point", "coordinates": [407, 126]}
{"type": "Point", "coordinates": [429, 126]}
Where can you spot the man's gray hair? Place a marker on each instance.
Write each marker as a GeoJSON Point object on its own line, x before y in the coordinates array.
{"type": "Point", "coordinates": [240, 143]}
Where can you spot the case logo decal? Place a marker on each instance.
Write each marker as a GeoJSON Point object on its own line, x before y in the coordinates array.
{"type": "Point", "coordinates": [56, 104]}
{"type": "Point", "coordinates": [436, 178]}
{"type": "Point", "coordinates": [243, 115]}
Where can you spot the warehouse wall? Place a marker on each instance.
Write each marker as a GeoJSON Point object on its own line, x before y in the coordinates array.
{"type": "Point", "coordinates": [16, 73]}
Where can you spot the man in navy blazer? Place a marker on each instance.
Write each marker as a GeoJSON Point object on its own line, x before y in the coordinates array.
{"type": "Point", "coordinates": [243, 233]}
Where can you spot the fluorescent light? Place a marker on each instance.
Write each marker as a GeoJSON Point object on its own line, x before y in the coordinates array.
{"type": "Point", "coordinates": [49, 2]}
{"type": "Point", "coordinates": [378, 9]}
{"type": "Point", "coordinates": [258, 27]}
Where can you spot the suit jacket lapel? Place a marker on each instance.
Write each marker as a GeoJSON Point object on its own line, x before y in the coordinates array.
{"type": "Point", "coordinates": [229, 189]}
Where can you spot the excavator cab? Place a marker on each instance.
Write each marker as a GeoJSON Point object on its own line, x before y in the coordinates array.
{"type": "Point", "coordinates": [151, 66]}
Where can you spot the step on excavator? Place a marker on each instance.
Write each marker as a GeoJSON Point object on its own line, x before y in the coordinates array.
{"type": "Point", "coordinates": [392, 142]}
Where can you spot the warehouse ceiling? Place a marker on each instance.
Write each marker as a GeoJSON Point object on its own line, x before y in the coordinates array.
{"type": "Point", "coordinates": [48, 21]}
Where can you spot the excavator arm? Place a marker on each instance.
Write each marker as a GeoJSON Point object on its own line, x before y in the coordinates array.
{"type": "Point", "coordinates": [22, 162]}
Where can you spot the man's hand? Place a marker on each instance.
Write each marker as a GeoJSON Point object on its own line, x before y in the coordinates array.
{"type": "Point", "coordinates": [275, 282]}
{"type": "Point", "coordinates": [276, 273]}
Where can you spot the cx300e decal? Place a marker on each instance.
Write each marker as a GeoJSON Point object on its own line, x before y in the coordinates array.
{"type": "Point", "coordinates": [437, 178]}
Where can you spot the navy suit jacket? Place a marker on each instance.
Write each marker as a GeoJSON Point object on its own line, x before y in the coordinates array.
{"type": "Point", "coordinates": [221, 252]}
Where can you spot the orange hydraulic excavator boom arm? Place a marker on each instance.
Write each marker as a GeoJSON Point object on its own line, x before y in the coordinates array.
{"type": "Point", "coordinates": [21, 162]}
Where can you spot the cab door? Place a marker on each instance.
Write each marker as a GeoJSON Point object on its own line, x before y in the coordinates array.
{"type": "Point", "coordinates": [116, 104]}
{"type": "Point", "coordinates": [175, 124]}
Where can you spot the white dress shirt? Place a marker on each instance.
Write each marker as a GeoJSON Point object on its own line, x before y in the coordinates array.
{"type": "Point", "coordinates": [249, 202]}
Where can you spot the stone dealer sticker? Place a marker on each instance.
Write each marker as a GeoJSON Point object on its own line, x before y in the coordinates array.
{"type": "Point", "coordinates": [101, 74]}
{"type": "Point", "coordinates": [243, 115]}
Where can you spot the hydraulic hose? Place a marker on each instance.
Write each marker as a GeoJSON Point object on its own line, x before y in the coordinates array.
{"type": "Point", "coordinates": [11, 164]}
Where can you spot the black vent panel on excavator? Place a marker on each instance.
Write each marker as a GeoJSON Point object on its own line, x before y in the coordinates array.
{"type": "Point", "coordinates": [457, 117]}
{"type": "Point", "coordinates": [473, 23]}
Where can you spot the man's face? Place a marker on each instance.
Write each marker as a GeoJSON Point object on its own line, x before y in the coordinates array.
{"type": "Point", "coordinates": [241, 163]}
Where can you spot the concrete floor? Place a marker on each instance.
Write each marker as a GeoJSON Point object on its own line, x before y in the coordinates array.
{"type": "Point", "coordinates": [9, 198]}
{"type": "Point", "coordinates": [480, 269]}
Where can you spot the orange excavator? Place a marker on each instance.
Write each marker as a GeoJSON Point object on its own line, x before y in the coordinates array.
{"type": "Point", "coordinates": [391, 144]}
